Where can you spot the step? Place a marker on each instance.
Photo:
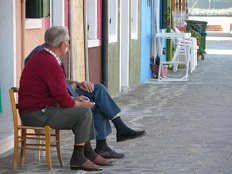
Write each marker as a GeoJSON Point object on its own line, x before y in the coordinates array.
{"type": "Point", "coordinates": [6, 142]}
{"type": "Point", "coordinates": [214, 28]}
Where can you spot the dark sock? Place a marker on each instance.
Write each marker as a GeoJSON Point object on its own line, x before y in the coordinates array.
{"type": "Point", "coordinates": [120, 126]}
{"type": "Point", "coordinates": [78, 157]}
{"type": "Point", "coordinates": [102, 145]}
{"type": "Point", "coordinates": [89, 152]}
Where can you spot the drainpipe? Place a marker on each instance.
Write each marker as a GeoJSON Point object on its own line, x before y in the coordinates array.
{"type": "Point", "coordinates": [85, 41]}
{"type": "Point", "coordinates": [156, 14]}
{"type": "Point", "coordinates": [154, 52]}
{"type": "Point", "coordinates": [152, 30]}
{"type": "Point", "coordinates": [105, 42]}
{"type": "Point", "coordinates": [169, 23]}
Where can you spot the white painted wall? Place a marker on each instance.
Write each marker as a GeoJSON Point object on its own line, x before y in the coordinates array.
{"type": "Point", "coordinates": [92, 19]}
{"type": "Point", "coordinates": [134, 19]}
{"type": "Point", "coordinates": [124, 44]}
{"type": "Point", "coordinates": [7, 67]}
{"type": "Point", "coordinates": [57, 12]}
{"type": "Point", "coordinates": [113, 21]}
{"type": "Point", "coordinates": [93, 41]}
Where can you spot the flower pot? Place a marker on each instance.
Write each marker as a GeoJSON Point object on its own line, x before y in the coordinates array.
{"type": "Point", "coordinates": [162, 74]}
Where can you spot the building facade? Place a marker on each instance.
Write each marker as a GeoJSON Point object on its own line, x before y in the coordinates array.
{"type": "Point", "coordinates": [112, 42]}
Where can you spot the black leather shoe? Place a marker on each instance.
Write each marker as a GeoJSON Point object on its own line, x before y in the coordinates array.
{"type": "Point", "coordinates": [130, 135]}
{"type": "Point", "coordinates": [110, 153]}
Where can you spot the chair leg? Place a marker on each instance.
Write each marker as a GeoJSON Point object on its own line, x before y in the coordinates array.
{"type": "Point", "coordinates": [39, 153]}
{"type": "Point", "coordinates": [47, 146]}
{"type": "Point", "coordinates": [58, 147]}
{"type": "Point", "coordinates": [16, 144]}
{"type": "Point", "coordinates": [23, 146]}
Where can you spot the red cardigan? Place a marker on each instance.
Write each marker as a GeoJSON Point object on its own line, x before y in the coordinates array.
{"type": "Point", "coordinates": [42, 84]}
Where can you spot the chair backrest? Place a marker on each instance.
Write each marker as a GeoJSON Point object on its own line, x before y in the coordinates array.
{"type": "Point", "coordinates": [14, 105]}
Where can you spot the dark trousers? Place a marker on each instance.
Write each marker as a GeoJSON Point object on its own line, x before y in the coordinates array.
{"type": "Point", "coordinates": [79, 119]}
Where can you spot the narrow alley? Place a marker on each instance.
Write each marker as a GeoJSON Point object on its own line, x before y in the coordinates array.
{"type": "Point", "coordinates": [188, 124]}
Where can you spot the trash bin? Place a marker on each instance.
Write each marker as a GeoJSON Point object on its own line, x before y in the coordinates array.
{"type": "Point", "coordinates": [200, 27]}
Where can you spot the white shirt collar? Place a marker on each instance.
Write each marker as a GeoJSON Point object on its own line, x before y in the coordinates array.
{"type": "Point", "coordinates": [54, 54]}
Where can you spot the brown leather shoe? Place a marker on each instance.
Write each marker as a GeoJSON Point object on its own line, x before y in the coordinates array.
{"type": "Point", "coordinates": [102, 162]}
{"type": "Point", "coordinates": [87, 166]}
{"type": "Point", "coordinates": [110, 153]}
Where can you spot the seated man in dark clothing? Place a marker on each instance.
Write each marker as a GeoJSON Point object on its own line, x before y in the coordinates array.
{"type": "Point", "coordinates": [105, 109]}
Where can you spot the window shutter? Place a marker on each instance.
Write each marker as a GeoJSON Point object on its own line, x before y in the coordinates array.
{"type": "Point", "coordinates": [37, 8]}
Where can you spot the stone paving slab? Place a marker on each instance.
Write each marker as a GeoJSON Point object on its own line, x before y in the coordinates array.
{"type": "Point", "coordinates": [188, 124]}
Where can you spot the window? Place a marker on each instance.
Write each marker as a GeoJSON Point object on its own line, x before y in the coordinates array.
{"type": "Point", "coordinates": [113, 20]}
{"type": "Point", "coordinates": [92, 19]}
{"type": "Point", "coordinates": [134, 19]}
{"type": "Point", "coordinates": [92, 23]}
{"type": "Point", "coordinates": [37, 8]}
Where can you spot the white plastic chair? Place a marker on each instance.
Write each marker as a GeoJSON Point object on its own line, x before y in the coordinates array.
{"type": "Point", "coordinates": [181, 43]}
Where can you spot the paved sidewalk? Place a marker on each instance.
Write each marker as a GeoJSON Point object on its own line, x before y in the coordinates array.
{"type": "Point", "coordinates": [188, 124]}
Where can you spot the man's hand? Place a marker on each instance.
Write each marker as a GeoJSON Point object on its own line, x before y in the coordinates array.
{"type": "Point", "coordinates": [74, 86]}
{"type": "Point", "coordinates": [83, 101]}
{"type": "Point", "coordinates": [85, 104]}
{"type": "Point", "coordinates": [86, 86]}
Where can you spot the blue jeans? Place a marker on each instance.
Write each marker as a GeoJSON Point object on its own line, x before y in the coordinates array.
{"type": "Point", "coordinates": [105, 109]}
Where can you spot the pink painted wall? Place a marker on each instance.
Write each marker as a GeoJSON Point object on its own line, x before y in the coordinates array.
{"type": "Point", "coordinates": [99, 19]}
{"type": "Point", "coordinates": [95, 53]}
{"type": "Point", "coordinates": [47, 22]}
{"type": "Point", "coordinates": [66, 13]}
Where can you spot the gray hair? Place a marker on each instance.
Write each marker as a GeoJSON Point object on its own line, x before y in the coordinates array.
{"type": "Point", "coordinates": [54, 36]}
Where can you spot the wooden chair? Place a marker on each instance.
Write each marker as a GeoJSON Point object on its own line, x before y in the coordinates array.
{"type": "Point", "coordinates": [39, 134]}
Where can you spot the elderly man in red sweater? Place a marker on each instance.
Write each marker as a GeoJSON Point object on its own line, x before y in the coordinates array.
{"type": "Point", "coordinates": [40, 104]}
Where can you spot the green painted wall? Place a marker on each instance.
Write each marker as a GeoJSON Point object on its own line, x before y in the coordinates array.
{"type": "Point", "coordinates": [113, 62]}
{"type": "Point", "coordinates": [113, 68]}
{"type": "Point", "coordinates": [135, 54]}
{"type": "Point", "coordinates": [169, 26]}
